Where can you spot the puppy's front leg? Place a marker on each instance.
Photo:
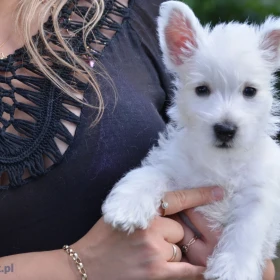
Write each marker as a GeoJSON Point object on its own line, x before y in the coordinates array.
{"type": "Point", "coordinates": [238, 255]}
{"type": "Point", "coordinates": [135, 199]}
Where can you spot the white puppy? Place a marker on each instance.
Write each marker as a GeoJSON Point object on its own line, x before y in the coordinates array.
{"type": "Point", "coordinates": [223, 124]}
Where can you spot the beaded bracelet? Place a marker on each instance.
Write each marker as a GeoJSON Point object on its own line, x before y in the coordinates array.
{"type": "Point", "coordinates": [77, 261]}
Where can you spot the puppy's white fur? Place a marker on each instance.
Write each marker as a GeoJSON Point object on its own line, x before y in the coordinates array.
{"type": "Point", "coordinates": [227, 58]}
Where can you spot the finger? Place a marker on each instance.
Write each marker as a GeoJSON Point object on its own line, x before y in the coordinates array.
{"type": "Point", "coordinates": [170, 230]}
{"type": "Point", "coordinates": [208, 235]}
{"type": "Point", "coordinates": [269, 272]}
{"type": "Point", "coordinates": [185, 199]}
{"type": "Point", "coordinates": [172, 252]}
{"type": "Point", "coordinates": [184, 271]}
{"type": "Point", "coordinates": [198, 252]}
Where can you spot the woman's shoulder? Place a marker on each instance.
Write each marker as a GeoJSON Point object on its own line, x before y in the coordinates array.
{"type": "Point", "coordinates": [143, 19]}
{"type": "Point", "coordinates": [149, 6]}
{"type": "Point", "coordinates": [147, 10]}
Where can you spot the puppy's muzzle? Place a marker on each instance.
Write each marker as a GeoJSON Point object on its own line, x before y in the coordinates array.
{"type": "Point", "coordinates": [225, 132]}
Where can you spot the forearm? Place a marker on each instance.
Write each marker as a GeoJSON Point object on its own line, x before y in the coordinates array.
{"type": "Point", "coordinates": [55, 265]}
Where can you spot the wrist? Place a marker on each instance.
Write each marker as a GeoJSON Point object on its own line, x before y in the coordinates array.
{"type": "Point", "coordinates": [87, 256]}
{"type": "Point", "coordinates": [77, 260]}
{"type": "Point", "coordinates": [81, 247]}
{"type": "Point", "coordinates": [67, 266]}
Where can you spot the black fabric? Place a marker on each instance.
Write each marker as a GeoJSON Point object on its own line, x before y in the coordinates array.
{"type": "Point", "coordinates": [59, 207]}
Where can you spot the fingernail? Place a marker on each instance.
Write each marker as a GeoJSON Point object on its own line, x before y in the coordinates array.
{"type": "Point", "coordinates": [218, 193]}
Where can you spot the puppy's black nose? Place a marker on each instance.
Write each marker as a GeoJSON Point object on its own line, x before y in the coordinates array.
{"type": "Point", "coordinates": [225, 131]}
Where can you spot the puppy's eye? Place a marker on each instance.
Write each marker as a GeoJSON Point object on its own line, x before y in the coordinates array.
{"type": "Point", "coordinates": [249, 92]}
{"type": "Point", "coordinates": [202, 90]}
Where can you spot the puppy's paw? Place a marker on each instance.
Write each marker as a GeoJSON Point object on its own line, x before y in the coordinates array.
{"type": "Point", "coordinates": [128, 211]}
{"type": "Point", "coordinates": [227, 266]}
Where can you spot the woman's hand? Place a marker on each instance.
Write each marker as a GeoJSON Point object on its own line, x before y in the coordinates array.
{"type": "Point", "coordinates": [110, 254]}
{"type": "Point", "coordinates": [204, 246]}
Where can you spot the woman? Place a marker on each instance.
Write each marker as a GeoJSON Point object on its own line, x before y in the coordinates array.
{"type": "Point", "coordinates": [59, 157]}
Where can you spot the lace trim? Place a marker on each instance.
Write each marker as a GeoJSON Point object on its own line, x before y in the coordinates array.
{"type": "Point", "coordinates": [95, 38]}
{"type": "Point", "coordinates": [32, 109]}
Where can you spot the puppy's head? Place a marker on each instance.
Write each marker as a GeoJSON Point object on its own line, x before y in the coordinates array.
{"type": "Point", "coordinates": [225, 76]}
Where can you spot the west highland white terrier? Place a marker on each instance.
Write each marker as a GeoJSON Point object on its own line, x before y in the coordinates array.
{"type": "Point", "coordinates": [222, 131]}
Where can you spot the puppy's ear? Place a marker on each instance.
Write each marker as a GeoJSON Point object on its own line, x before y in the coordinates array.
{"type": "Point", "coordinates": [270, 42]}
{"type": "Point", "coordinates": [178, 30]}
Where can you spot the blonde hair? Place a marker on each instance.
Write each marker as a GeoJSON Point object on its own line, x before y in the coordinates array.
{"type": "Point", "coordinates": [31, 11]}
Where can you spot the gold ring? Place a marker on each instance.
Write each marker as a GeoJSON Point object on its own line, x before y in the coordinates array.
{"type": "Point", "coordinates": [185, 248]}
{"type": "Point", "coordinates": [174, 253]}
{"type": "Point", "coordinates": [164, 205]}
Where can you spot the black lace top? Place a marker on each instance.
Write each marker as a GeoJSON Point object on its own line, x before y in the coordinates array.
{"type": "Point", "coordinates": [46, 103]}
{"type": "Point", "coordinates": [51, 197]}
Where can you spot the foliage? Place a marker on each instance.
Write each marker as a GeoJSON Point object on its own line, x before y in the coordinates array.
{"type": "Point", "coordinates": [239, 10]}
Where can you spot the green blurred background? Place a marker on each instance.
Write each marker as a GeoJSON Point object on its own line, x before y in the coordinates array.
{"type": "Point", "coordinates": [216, 11]}
{"type": "Point", "coordinates": [226, 10]}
